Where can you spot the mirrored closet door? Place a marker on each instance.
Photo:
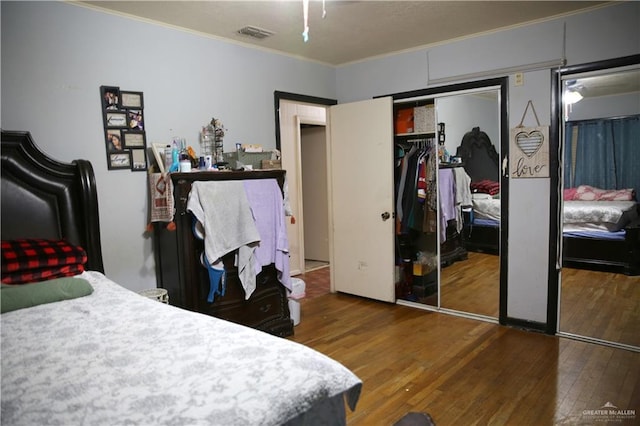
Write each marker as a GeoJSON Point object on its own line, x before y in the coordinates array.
{"type": "Point", "coordinates": [453, 262]}
{"type": "Point", "coordinates": [600, 130]}
{"type": "Point", "coordinates": [470, 201]}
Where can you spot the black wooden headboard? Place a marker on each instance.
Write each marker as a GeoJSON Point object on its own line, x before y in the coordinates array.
{"type": "Point", "coordinates": [479, 157]}
{"type": "Point", "coordinates": [44, 198]}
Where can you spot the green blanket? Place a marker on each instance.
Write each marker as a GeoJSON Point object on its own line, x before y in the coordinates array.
{"type": "Point", "coordinates": [14, 297]}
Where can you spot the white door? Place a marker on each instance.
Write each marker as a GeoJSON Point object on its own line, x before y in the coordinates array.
{"type": "Point", "coordinates": [361, 200]}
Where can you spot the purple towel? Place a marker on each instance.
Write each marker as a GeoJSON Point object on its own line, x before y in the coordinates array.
{"type": "Point", "coordinates": [265, 199]}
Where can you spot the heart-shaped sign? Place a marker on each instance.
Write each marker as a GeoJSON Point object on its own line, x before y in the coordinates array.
{"type": "Point", "coordinates": [529, 143]}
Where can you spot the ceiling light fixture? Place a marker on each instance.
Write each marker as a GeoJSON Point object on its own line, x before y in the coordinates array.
{"type": "Point", "coordinates": [572, 96]}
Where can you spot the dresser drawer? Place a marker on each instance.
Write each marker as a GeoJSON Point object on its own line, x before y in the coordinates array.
{"type": "Point", "coordinates": [265, 307]}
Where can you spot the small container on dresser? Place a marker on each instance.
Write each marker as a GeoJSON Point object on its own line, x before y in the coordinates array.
{"type": "Point", "coordinates": [180, 272]}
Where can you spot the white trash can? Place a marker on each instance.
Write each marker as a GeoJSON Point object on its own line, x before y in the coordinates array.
{"type": "Point", "coordinates": [297, 292]}
{"type": "Point", "coordinates": [157, 294]}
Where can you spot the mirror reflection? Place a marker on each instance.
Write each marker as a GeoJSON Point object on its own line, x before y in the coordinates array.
{"type": "Point", "coordinates": [600, 285]}
{"type": "Point", "coordinates": [469, 193]}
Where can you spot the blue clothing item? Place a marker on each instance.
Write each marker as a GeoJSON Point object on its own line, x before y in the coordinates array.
{"type": "Point", "coordinates": [217, 280]}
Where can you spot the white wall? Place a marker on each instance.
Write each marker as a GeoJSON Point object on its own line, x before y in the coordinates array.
{"type": "Point", "coordinates": [313, 156]}
{"type": "Point", "coordinates": [55, 56]}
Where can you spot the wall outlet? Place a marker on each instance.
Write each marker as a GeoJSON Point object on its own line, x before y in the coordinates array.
{"type": "Point", "coordinates": [519, 79]}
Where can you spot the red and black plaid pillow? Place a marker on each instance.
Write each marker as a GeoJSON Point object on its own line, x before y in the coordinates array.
{"type": "Point", "coordinates": [29, 260]}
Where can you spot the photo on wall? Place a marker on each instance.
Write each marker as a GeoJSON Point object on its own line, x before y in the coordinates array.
{"type": "Point", "coordinates": [125, 138]}
{"type": "Point", "coordinates": [119, 160]}
{"type": "Point", "coordinates": [110, 97]}
{"type": "Point", "coordinates": [114, 140]}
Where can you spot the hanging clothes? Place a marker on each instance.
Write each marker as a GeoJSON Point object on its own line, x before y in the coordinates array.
{"type": "Point", "coordinates": [415, 177]}
{"type": "Point", "coordinates": [447, 187]}
{"type": "Point", "coordinates": [463, 194]}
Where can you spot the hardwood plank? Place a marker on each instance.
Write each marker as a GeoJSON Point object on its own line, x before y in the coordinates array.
{"type": "Point", "coordinates": [600, 305]}
{"type": "Point", "coordinates": [463, 371]}
{"type": "Point", "coordinates": [594, 304]}
{"type": "Point", "coordinates": [472, 285]}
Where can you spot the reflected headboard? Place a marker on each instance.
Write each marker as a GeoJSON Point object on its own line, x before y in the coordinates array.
{"type": "Point", "coordinates": [479, 157]}
{"type": "Point", "coordinates": [44, 198]}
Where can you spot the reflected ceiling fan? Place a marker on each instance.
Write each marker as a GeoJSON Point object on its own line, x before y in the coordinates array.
{"type": "Point", "coordinates": [605, 85]}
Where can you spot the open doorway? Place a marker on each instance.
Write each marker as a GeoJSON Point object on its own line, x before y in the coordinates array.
{"type": "Point", "coordinates": [313, 156]}
{"type": "Point", "coordinates": [301, 139]}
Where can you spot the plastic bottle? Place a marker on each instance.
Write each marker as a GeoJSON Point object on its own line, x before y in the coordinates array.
{"type": "Point", "coordinates": [168, 157]}
{"type": "Point", "coordinates": [175, 159]}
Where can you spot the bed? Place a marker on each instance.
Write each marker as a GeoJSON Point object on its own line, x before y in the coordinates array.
{"type": "Point", "coordinates": [111, 356]}
{"type": "Point", "coordinates": [601, 229]}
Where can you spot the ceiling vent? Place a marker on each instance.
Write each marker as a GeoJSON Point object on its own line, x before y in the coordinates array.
{"type": "Point", "coordinates": [255, 32]}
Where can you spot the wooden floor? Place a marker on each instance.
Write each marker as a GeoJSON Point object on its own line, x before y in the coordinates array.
{"type": "Point", "coordinates": [463, 371]}
{"type": "Point", "coordinates": [601, 305]}
{"type": "Point", "coordinates": [594, 304]}
{"type": "Point", "coordinates": [472, 285]}
{"type": "Point", "coordinates": [317, 281]}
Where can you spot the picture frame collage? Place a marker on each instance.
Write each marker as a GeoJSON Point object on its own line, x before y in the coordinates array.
{"type": "Point", "coordinates": [124, 129]}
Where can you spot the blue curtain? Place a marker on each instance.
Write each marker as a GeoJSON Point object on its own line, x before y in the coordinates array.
{"type": "Point", "coordinates": [604, 153]}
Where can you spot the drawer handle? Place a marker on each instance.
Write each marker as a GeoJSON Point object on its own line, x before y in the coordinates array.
{"type": "Point", "coordinates": [265, 308]}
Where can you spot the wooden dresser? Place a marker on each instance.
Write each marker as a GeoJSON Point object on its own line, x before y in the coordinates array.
{"type": "Point", "coordinates": [179, 271]}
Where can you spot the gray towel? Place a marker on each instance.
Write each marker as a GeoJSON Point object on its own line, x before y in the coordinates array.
{"type": "Point", "coordinates": [463, 194]}
{"type": "Point", "coordinates": [224, 212]}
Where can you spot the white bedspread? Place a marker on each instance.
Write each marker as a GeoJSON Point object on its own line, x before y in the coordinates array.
{"type": "Point", "coordinates": [115, 358]}
{"type": "Point", "coordinates": [603, 215]}
{"type": "Point", "coordinates": [609, 216]}
{"type": "Point", "coordinates": [486, 208]}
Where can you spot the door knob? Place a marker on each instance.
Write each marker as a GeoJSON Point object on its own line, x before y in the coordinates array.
{"type": "Point", "coordinates": [385, 215]}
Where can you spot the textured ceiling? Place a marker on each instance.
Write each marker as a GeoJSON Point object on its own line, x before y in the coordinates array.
{"type": "Point", "coordinates": [351, 30]}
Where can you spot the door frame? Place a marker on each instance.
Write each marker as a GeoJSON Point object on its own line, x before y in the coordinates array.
{"type": "Point", "coordinates": [555, 155]}
{"type": "Point", "coordinates": [503, 84]}
{"type": "Point", "coordinates": [308, 101]}
{"type": "Point", "coordinates": [278, 96]}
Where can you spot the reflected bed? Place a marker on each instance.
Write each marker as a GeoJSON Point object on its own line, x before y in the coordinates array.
{"type": "Point", "coordinates": [601, 235]}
